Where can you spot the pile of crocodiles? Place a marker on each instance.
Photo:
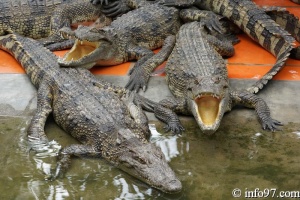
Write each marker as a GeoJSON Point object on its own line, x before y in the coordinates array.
{"type": "Point", "coordinates": [108, 120]}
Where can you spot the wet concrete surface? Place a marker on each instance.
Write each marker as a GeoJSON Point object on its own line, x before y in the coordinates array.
{"type": "Point", "coordinates": [18, 96]}
{"type": "Point", "coordinates": [240, 155]}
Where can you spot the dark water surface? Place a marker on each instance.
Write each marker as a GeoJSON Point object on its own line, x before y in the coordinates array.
{"type": "Point", "coordinates": [237, 156]}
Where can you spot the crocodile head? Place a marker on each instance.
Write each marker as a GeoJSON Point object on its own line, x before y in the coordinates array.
{"type": "Point", "coordinates": [208, 100]}
{"type": "Point", "coordinates": [142, 160]}
{"type": "Point", "coordinates": [91, 45]}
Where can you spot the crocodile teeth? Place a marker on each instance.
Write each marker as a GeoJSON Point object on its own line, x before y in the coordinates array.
{"type": "Point", "coordinates": [207, 94]}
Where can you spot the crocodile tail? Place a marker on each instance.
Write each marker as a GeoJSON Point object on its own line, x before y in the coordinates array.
{"type": "Point", "coordinates": [31, 55]}
{"type": "Point", "coordinates": [262, 29]}
{"type": "Point", "coordinates": [285, 19]}
{"type": "Point", "coordinates": [281, 47]}
{"type": "Point", "coordinates": [256, 87]}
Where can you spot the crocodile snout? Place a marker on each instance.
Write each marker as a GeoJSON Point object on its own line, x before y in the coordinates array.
{"type": "Point", "coordinates": [173, 186]}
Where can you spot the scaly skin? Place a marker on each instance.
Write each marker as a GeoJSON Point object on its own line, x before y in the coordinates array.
{"type": "Point", "coordinates": [41, 19]}
{"type": "Point", "coordinates": [105, 119]}
{"type": "Point", "coordinates": [289, 22]}
{"type": "Point", "coordinates": [197, 76]}
{"type": "Point", "coordinates": [130, 37]}
{"type": "Point", "coordinates": [256, 24]}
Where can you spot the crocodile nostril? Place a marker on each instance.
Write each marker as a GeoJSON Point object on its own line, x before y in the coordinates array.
{"type": "Point", "coordinates": [174, 186]}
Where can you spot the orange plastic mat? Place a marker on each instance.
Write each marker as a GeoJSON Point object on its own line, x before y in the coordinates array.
{"type": "Point", "coordinates": [251, 61]}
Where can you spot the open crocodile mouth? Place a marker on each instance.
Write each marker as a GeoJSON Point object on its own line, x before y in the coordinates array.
{"type": "Point", "coordinates": [80, 50]}
{"type": "Point", "coordinates": [208, 108]}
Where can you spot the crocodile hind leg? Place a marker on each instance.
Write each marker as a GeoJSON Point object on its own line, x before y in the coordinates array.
{"type": "Point", "coordinates": [36, 134]}
{"type": "Point", "coordinates": [64, 158]}
{"type": "Point", "coordinates": [142, 71]}
{"type": "Point", "coordinates": [137, 113]}
{"type": "Point", "coordinates": [250, 100]}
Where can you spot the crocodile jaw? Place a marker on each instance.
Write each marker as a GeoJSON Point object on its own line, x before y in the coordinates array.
{"type": "Point", "coordinates": [83, 54]}
{"type": "Point", "coordinates": [141, 159]}
{"type": "Point", "coordinates": [208, 110]}
{"type": "Point", "coordinates": [150, 167]}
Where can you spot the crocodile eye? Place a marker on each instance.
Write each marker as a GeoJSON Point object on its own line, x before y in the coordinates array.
{"type": "Point", "coordinates": [140, 160]}
{"type": "Point", "coordinates": [160, 155]}
{"type": "Point", "coordinates": [216, 79]}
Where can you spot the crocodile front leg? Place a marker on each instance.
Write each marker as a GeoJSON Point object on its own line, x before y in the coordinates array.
{"type": "Point", "coordinates": [36, 134]}
{"type": "Point", "coordinates": [166, 111]}
{"type": "Point", "coordinates": [142, 70]}
{"type": "Point", "coordinates": [146, 104]}
{"type": "Point", "coordinates": [65, 15]}
{"type": "Point", "coordinates": [64, 158]}
{"type": "Point", "coordinates": [209, 18]}
{"type": "Point", "coordinates": [250, 100]}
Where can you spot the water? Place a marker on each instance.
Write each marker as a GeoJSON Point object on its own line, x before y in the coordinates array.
{"type": "Point", "coordinates": [237, 156]}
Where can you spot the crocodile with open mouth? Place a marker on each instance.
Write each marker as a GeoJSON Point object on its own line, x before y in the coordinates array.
{"type": "Point", "coordinates": [107, 120]}
{"type": "Point", "coordinates": [42, 19]}
{"type": "Point", "coordinates": [132, 36]}
{"type": "Point", "coordinates": [197, 76]}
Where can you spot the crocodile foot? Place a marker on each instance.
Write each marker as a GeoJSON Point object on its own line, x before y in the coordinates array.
{"type": "Point", "coordinates": [101, 2]}
{"type": "Point", "coordinates": [174, 127]}
{"type": "Point", "coordinates": [138, 79]}
{"type": "Point", "coordinates": [115, 9]}
{"type": "Point", "coordinates": [62, 165]}
{"type": "Point", "coordinates": [38, 144]}
{"type": "Point", "coordinates": [271, 124]}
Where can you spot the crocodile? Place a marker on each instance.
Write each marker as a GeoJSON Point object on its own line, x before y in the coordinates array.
{"type": "Point", "coordinates": [42, 19]}
{"type": "Point", "coordinates": [255, 23]}
{"type": "Point", "coordinates": [132, 36]}
{"type": "Point", "coordinates": [107, 120]}
{"type": "Point", "coordinates": [196, 74]}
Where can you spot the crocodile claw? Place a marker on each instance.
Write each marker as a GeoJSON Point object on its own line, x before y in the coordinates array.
{"type": "Point", "coordinates": [138, 79]}
{"type": "Point", "coordinates": [215, 26]}
{"type": "Point", "coordinates": [52, 176]}
{"type": "Point", "coordinates": [38, 144]}
{"type": "Point", "coordinates": [95, 2]}
{"type": "Point", "coordinates": [174, 127]}
{"type": "Point", "coordinates": [271, 125]}
{"type": "Point", "coordinates": [115, 9]}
